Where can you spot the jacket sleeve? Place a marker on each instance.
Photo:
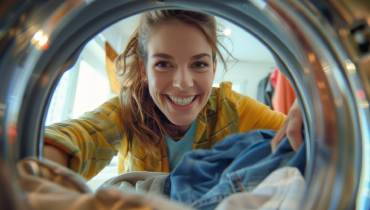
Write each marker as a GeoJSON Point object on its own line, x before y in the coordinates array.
{"type": "Point", "coordinates": [91, 140]}
{"type": "Point", "coordinates": [253, 114]}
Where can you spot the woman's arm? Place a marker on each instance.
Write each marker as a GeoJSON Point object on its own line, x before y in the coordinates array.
{"type": "Point", "coordinates": [90, 141]}
{"type": "Point", "coordinates": [255, 115]}
{"type": "Point", "coordinates": [263, 117]}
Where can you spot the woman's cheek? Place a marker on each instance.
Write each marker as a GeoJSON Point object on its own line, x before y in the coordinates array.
{"type": "Point", "coordinates": [204, 81]}
{"type": "Point", "coordinates": [159, 83]}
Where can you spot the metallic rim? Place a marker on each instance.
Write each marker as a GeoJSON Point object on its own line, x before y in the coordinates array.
{"type": "Point", "coordinates": [311, 42]}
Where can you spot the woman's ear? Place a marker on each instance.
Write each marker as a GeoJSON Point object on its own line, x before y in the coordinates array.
{"type": "Point", "coordinates": [214, 69]}
{"type": "Point", "coordinates": [143, 71]}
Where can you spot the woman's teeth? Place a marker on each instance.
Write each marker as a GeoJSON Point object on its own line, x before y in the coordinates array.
{"type": "Point", "coordinates": [181, 101]}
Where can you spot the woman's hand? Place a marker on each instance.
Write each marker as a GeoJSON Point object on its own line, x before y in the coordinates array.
{"type": "Point", "coordinates": [55, 154]}
{"type": "Point", "coordinates": [292, 128]}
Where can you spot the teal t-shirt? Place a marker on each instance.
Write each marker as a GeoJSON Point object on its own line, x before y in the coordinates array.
{"type": "Point", "coordinates": [176, 150]}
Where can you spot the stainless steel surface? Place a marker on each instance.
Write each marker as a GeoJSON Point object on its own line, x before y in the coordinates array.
{"type": "Point", "coordinates": [341, 122]}
{"type": "Point", "coordinates": [320, 45]}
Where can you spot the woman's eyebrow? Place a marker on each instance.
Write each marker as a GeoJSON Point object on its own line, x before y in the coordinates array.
{"type": "Point", "coordinates": [197, 57]}
{"type": "Point", "coordinates": [169, 57]}
{"type": "Point", "coordinates": [161, 55]}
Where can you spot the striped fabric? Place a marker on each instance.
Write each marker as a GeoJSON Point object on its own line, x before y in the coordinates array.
{"type": "Point", "coordinates": [95, 137]}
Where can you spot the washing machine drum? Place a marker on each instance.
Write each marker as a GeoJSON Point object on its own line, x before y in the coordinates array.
{"type": "Point", "coordinates": [322, 46]}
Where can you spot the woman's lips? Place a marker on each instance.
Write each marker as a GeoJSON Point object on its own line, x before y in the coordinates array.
{"type": "Point", "coordinates": [182, 107]}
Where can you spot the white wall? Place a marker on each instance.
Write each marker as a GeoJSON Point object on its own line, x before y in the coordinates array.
{"type": "Point", "coordinates": [245, 73]}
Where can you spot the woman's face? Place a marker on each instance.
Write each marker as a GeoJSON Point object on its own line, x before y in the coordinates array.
{"type": "Point", "coordinates": [179, 72]}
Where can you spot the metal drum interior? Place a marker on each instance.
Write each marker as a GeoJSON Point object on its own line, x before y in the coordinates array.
{"type": "Point", "coordinates": [321, 46]}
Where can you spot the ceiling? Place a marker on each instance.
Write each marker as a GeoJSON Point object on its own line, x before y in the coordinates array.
{"type": "Point", "coordinates": [241, 44]}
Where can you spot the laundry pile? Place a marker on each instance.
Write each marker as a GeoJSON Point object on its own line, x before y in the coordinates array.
{"type": "Point", "coordinates": [239, 172]}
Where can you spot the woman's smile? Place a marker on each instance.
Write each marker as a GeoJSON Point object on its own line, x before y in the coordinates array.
{"type": "Point", "coordinates": [182, 103]}
{"type": "Point", "coordinates": [181, 100]}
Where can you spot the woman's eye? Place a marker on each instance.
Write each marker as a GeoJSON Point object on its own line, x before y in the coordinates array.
{"type": "Point", "coordinates": [200, 65]}
{"type": "Point", "coordinates": [163, 65]}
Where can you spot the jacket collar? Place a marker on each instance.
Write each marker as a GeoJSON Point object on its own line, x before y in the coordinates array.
{"type": "Point", "coordinates": [211, 107]}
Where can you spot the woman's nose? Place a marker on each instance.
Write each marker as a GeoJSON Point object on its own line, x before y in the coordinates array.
{"type": "Point", "coordinates": [183, 79]}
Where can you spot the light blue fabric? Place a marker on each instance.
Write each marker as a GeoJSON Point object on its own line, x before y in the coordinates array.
{"type": "Point", "coordinates": [177, 150]}
{"type": "Point", "coordinates": [238, 163]}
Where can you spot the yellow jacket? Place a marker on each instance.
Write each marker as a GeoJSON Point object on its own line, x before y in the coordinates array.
{"type": "Point", "coordinates": [95, 137]}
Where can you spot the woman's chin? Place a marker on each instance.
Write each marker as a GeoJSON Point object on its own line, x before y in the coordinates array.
{"type": "Point", "coordinates": [180, 121]}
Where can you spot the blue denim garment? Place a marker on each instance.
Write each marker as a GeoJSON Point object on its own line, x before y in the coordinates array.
{"type": "Point", "coordinates": [238, 163]}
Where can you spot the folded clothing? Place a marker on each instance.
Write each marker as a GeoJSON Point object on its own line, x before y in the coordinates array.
{"type": "Point", "coordinates": [140, 181]}
{"type": "Point", "coordinates": [236, 164]}
{"type": "Point", "coordinates": [283, 189]}
{"type": "Point", "coordinates": [48, 185]}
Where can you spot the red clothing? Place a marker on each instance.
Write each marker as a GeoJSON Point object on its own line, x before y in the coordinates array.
{"type": "Point", "coordinates": [284, 94]}
{"type": "Point", "coordinates": [273, 77]}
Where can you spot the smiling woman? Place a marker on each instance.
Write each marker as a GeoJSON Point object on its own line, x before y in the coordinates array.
{"type": "Point", "coordinates": [166, 105]}
{"type": "Point", "coordinates": [177, 50]}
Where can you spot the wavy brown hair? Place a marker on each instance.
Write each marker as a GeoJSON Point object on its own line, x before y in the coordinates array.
{"type": "Point", "coordinates": [140, 116]}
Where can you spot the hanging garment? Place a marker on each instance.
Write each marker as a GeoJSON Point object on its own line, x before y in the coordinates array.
{"type": "Point", "coordinates": [284, 95]}
{"type": "Point", "coordinates": [236, 164]}
{"type": "Point", "coordinates": [273, 77]}
{"type": "Point", "coordinates": [283, 189]}
{"type": "Point", "coordinates": [265, 92]}
{"type": "Point", "coordinates": [48, 185]}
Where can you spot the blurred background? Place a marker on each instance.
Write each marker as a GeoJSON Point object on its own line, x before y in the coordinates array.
{"type": "Point", "coordinates": [91, 81]}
